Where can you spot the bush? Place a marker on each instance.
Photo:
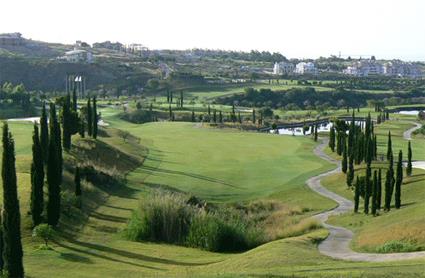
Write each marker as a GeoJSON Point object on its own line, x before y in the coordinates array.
{"type": "Point", "coordinates": [397, 246]}
{"type": "Point", "coordinates": [174, 218]}
{"type": "Point", "coordinates": [44, 232]}
{"type": "Point", "coordinates": [163, 218]}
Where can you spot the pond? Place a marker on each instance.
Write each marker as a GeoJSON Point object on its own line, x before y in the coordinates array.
{"type": "Point", "coordinates": [408, 112]}
{"type": "Point", "coordinates": [298, 131]}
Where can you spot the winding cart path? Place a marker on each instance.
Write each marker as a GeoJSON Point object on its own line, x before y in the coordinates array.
{"type": "Point", "coordinates": [337, 244]}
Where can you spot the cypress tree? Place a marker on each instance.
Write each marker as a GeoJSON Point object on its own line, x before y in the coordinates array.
{"type": "Point", "coordinates": [351, 135]}
{"type": "Point", "coordinates": [399, 180]}
{"type": "Point", "coordinates": [339, 143]}
{"type": "Point", "coordinates": [357, 195]}
{"type": "Point", "coordinates": [332, 139]}
{"type": "Point", "coordinates": [54, 172]}
{"type": "Point", "coordinates": [66, 123]}
{"type": "Point", "coordinates": [82, 130]}
{"type": "Point", "coordinates": [95, 118]}
{"type": "Point", "coordinates": [367, 189]}
{"type": "Point", "coordinates": [89, 118]}
{"type": "Point", "coordinates": [379, 191]}
{"type": "Point", "coordinates": [74, 100]}
{"type": "Point", "coordinates": [389, 184]}
{"type": "Point", "coordinates": [37, 179]}
{"type": "Point", "coordinates": [344, 158]}
{"type": "Point", "coordinates": [350, 172]}
{"type": "Point", "coordinates": [44, 133]}
{"type": "Point", "coordinates": [193, 116]}
{"type": "Point", "coordinates": [77, 182]}
{"type": "Point", "coordinates": [389, 146]}
{"type": "Point", "coordinates": [12, 251]}
{"type": "Point", "coordinates": [409, 160]}
{"type": "Point", "coordinates": [374, 192]}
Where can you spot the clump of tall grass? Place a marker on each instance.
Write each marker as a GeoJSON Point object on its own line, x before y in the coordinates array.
{"type": "Point", "coordinates": [174, 218]}
{"type": "Point", "coordinates": [397, 246]}
{"type": "Point", "coordinates": [162, 218]}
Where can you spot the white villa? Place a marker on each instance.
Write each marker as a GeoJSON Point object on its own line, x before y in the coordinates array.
{"type": "Point", "coordinates": [283, 68]}
{"type": "Point", "coordinates": [305, 68]}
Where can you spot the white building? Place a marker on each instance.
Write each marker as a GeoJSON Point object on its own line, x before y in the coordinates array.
{"type": "Point", "coordinates": [365, 68]}
{"type": "Point", "coordinates": [305, 68]}
{"type": "Point", "coordinates": [283, 68]}
{"type": "Point", "coordinates": [78, 55]}
{"type": "Point", "coordinates": [401, 69]}
{"type": "Point", "coordinates": [393, 68]}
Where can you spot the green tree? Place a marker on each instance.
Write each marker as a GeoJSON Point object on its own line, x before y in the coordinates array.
{"type": "Point", "coordinates": [37, 179]}
{"type": "Point", "coordinates": [95, 118]}
{"type": "Point", "coordinates": [193, 116]}
{"type": "Point", "coordinates": [389, 184]}
{"type": "Point", "coordinates": [357, 195]}
{"type": "Point", "coordinates": [74, 100]}
{"type": "Point", "coordinates": [368, 188]}
{"type": "Point", "coordinates": [43, 231]}
{"type": "Point", "coordinates": [399, 180]}
{"type": "Point", "coordinates": [350, 172]}
{"type": "Point", "coordinates": [379, 190]}
{"type": "Point", "coordinates": [12, 251]}
{"type": "Point", "coordinates": [374, 192]}
{"type": "Point", "coordinates": [54, 172]}
{"type": "Point", "coordinates": [44, 133]}
{"type": "Point", "coordinates": [389, 146]}
{"type": "Point", "coordinates": [409, 160]}
{"type": "Point", "coordinates": [332, 139]}
{"type": "Point", "coordinates": [344, 158]}
{"type": "Point", "coordinates": [89, 118]}
{"type": "Point", "coordinates": [66, 123]}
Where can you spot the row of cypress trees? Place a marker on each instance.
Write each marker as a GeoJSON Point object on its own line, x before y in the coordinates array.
{"type": "Point", "coordinates": [361, 145]}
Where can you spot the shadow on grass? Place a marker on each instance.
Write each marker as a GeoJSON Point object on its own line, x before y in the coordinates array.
{"type": "Point", "coordinates": [95, 249]}
{"type": "Point", "coordinates": [187, 174]}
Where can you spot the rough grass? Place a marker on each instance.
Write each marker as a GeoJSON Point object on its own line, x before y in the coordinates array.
{"type": "Point", "coordinates": [406, 224]}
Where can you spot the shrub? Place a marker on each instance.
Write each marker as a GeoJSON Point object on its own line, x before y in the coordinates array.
{"type": "Point", "coordinates": [174, 218]}
{"type": "Point", "coordinates": [397, 246]}
{"type": "Point", "coordinates": [163, 218]}
{"type": "Point", "coordinates": [43, 231]}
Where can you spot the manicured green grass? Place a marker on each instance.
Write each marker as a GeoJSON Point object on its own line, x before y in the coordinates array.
{"type": "Point", "coordinates": [218, 165]}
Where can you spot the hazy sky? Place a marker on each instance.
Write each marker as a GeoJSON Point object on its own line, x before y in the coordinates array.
{"type": "Point", "coordinates": [296, 28]}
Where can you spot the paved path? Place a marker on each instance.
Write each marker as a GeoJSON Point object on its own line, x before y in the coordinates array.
{"type": "Point", "coordinates": [408, 133]}
{"type": "Point", "coordinates": [337, 244]}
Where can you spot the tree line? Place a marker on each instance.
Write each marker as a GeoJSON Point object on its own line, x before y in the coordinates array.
{"type": "Point", "coordinates": [49, 140]}
{"type": "Point", "coordinates": [360, 146]}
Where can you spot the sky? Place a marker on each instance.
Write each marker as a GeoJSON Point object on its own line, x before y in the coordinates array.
{"type": "Point", "coordinates": [296, 28]}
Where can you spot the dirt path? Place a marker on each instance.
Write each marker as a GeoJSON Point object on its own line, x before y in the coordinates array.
{"type": "Point", "coordinates": [337, 244]}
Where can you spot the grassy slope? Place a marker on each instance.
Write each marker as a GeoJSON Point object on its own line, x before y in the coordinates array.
{"type": "Point", "coordinates": [99, 252]}
{"type": "Point", "coordinates": [406, 224]}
